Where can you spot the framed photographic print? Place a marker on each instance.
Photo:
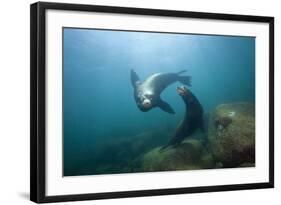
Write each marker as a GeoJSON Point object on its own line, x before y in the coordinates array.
{"type": "Point", "coordinates": [129, 102]}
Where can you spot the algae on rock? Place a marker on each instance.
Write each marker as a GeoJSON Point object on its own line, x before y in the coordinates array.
{"type": "Point", "coordinates": [190, 154]}
{"type": "Point", "coordinates": [231, 134]}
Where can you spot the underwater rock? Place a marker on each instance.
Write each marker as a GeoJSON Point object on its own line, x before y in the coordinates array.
{"type": "Point", "coordinates": [121, 155]}
{"type": "Point", "coordinates": [232, 134]}
{"type": "Point", "coordinates": [190, 154]}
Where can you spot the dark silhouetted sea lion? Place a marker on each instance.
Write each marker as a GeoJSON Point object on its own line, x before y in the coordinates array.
{"type": "Point", "coordinates": [147, 93]}
{"type": "Point", "coordinates": [193, 118]}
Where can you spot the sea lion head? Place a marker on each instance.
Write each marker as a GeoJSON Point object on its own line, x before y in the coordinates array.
{"type": "Point", "coordinates": [145, 101]}
{"type": "Point", "coordinates": [182, 90]}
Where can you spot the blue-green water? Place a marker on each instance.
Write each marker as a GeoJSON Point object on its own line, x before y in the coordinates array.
{"type": "Point", "coordinates": [104, 131]}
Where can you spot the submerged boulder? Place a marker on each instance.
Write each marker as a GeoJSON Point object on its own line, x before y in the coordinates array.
{"type": "Point", "coordinates": [231, 134]}
{"type": "Point", "coordinates": [190, 154]}
{"type": "Point", "coordinates": [121, 155]}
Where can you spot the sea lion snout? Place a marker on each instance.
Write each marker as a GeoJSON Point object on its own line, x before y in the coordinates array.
{"type": "Point", "coordinates": [146, 103]}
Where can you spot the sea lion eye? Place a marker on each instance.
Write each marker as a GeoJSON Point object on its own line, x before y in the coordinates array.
{"type": "Point", "coordinates": [149, 96]}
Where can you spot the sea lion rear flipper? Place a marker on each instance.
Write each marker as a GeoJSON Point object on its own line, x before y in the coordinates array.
{"type": "Point", "coordinates": [165, 107]}
{"type": "Point", "coordinates": [186, 80]}
{"type": "Point", "coordinates": [134, 78]}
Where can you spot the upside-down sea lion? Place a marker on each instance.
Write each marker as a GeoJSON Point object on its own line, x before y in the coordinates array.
{"type": "Point", "coordinates": [193, 118]}
{"type": "Point", "coordinates": [147, 93]}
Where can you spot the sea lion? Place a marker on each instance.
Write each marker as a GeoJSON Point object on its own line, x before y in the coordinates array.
{"type": "Point", "coordinates": [193, 118]}
{"type": "Point", "coordinates": [147, 93]}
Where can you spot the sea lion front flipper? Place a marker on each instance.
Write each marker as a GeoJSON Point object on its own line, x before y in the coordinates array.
{"type": "Point", "coordinates": [134, 78]}
{"type": "Point", "coordinates": [165, 107]}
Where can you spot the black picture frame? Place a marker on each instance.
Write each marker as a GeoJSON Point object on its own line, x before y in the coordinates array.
{"type": "Point", "coordinates": [38, 101]}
